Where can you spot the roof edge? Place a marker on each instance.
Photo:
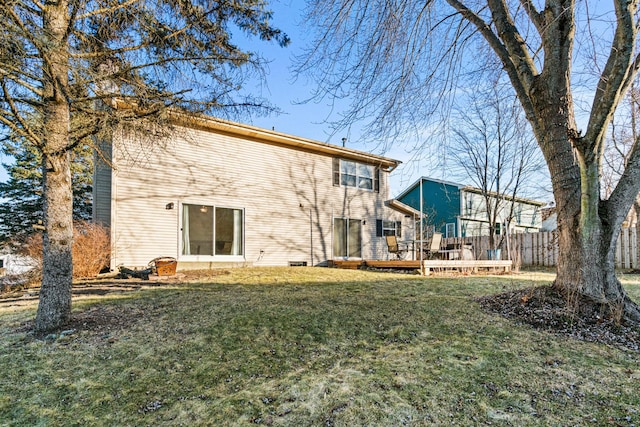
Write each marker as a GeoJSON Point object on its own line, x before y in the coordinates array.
{"type": "Point", "coordinates": [268, 136]}
{"type": "Point", "coordinates": [426, 178]}
{"type": "Point", "coordinates": [477, 190]}
{"type": "Point", "coordinates": [467, 188]}
{"type": "Point", "coordinates": [397, 205]}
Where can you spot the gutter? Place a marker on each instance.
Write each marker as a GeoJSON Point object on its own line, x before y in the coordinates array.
{"type": "Point", "coordinates": [273, 137]}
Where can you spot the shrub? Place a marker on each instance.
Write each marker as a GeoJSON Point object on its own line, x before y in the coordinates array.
{"type": "Point", "coordinates": [91, 249]}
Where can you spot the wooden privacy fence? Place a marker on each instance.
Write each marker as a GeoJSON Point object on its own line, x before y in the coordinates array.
{"type": "Point", "coordinates": [541, 249]}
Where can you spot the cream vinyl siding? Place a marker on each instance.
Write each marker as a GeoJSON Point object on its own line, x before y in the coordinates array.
{"type": "Point", "coordinates": [286, 194]}
{"type": "Point", "coordinates": [475, 220]}
{"type": "Point", "coordinates": [531, 216]}
{"type": "Point", "coordinates": [474, 206]}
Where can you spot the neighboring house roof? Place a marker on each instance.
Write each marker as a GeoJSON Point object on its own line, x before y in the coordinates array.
{"type": "Point", "coordinates": [469, 189]}
{"type": "Point", "coordinates": [278, 138]}
{"type": "Point", "coordinates": [493, 193]}
{"type": "Point", "coordinates": [425, 178]}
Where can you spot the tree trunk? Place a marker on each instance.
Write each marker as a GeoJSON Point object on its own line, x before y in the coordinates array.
{"type": "Point", "coordinates": [587, 232]}
{"type": "Point", "coordinates": [55, 295]}
{"type": "Point", "coordinates": [57, 267]}
{"type": "Point", "coordinates": [586, 270]}
{"type": "Point", "coordinates": [636, 214]}
{"type": "Point", "coordinates": [588, 227]}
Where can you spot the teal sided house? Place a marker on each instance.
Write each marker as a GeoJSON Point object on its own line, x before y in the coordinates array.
{"type": "Point", "coordinates": [458, 210]}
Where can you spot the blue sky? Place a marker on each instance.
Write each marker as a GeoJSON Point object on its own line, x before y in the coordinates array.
{"type": "Point", "coordinates": [308, 120]}
{"type": "Point", "coordinates": [3, 173]}
{"type": "Point", "coordinates": [305, 120]}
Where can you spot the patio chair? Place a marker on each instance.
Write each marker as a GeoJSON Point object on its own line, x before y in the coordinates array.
{"type": "Point", "coordinates": [433, 245]}
{"type": "Point", "coordinates": [395, 248]}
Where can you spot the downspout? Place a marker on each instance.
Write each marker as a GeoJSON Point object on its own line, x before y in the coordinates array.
{"type": "Point", "coordinates": [332, 232]}
{"type": "Point", "coordinates": [311, 234]}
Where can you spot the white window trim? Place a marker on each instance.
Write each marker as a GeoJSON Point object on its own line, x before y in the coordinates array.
{"type": "Point", "coordinates": [394, 227]}
{"type": "Point", "coordinates": [210, 258]}
{"type": "Point", "coordinates": [450, 225]}
{"type": "Point", "coordinates": [333, 236]}
{"type": "Point", "coordinates": [357, 175]}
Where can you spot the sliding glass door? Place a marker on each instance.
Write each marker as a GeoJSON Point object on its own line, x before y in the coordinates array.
{"type": "Point", "coordinates": [212, 231]}
{"type": "Point", "coordinates": [347, 238]}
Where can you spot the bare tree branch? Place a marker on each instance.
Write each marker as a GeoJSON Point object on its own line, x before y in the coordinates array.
{"type": "Point", "coordinates": [534, 15]}
{"type": "Point", "coordinates": [60, 58]}
{"type": "Point", "coordinates": [110, 9]}
{"type": "Point", "coordinates": [521, 70]}
{"type": "Point", "coordinates": [616, 75]}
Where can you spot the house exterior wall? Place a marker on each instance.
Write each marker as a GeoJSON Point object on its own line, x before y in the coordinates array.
{"type": "Point", "coordinates": [16, 264]}
{"type": "Point", "coordinates": [286, 195]}
{"type": "Point", "coordinates": [102, 184]}
{"type": "Point", "coordinates": [465, 212]}
{"type": "Point", "coordinates": [440, 203]}
{"type": "Point", "coordinates": [527, 216]}
{"type": "Point", "coordinates": [475, 221]}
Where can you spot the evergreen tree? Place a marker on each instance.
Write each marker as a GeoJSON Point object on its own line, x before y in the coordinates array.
{"type": "Point", "coordinates": [22, 192]}
{"type": "Point", "coordinates": [60, 59]}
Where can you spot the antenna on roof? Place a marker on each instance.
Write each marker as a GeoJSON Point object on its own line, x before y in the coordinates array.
{"type": "Point", "coordinates": [344, 141]}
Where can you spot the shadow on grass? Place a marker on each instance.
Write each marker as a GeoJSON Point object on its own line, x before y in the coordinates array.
{"type": "Point", "coordinates": [309, 347]}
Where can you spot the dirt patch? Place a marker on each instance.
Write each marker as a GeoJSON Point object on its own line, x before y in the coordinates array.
{"type": "Point", "coordinates": [546, 309]}
{"type": "Point", "coordinates": [103, 322]}
{"type": "Point", "coordinates": [105, 319]}
{"type": "Point", "coordinates": [202, 275]}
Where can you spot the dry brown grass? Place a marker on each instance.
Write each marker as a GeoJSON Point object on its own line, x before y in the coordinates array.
{"type": "Point", "coordinates": [310, 346]}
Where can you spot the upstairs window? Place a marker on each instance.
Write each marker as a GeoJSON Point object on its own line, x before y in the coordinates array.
{"type": "Point", "coordinates": [498, 228]}
{"type": "Point", "coordinates": [450, 229]}
{"type": "Point", "coordinates": [347, 173]}
{"type": "Point", "coordinates": [469, 203]}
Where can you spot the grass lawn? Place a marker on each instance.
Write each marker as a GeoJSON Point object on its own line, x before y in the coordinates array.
{"type": "Point", "coordinates": [310, 347]}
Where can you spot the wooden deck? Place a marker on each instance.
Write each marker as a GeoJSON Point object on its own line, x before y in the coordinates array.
{"type": "Point", "coordinates": [348, 265]}
{"type": "Point", "coordinates": [396, 263]}
{"type": "Point", "coordinates": [354, 265]}
{"type": "Point", "coordinates": [428, 265]}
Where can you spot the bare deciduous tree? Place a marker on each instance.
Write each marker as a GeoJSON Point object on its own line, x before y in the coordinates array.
{"type": "Point", "coordinates": [623, 136]}
{"type": "Point", "coordinates": [60, 58]}
{"type": "Point", "coordinates": [493, 148]}
{"type": "Point", "coordinates": [398, 59]}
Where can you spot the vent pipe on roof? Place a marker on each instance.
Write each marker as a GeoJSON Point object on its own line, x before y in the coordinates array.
{"type": "Point", "coordinates": [344, 141]}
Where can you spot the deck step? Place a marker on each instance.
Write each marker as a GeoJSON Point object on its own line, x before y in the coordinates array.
{"type": "Point", "coordinates": [428, 265]}
{"type": "Point", "coordinates": [472, 265]}
{"type": "Point", "coordinates": [393, 264]}
{"type": "Point", "coordinates": [346, 264]}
